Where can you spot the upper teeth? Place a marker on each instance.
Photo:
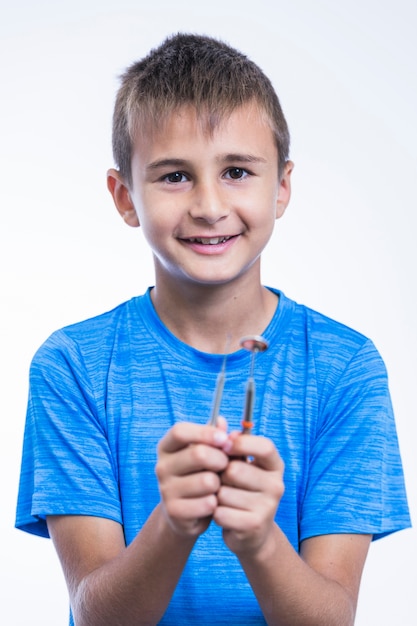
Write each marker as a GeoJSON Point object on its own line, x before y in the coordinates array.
{"type": "Point", "coordinates": [209, 240]}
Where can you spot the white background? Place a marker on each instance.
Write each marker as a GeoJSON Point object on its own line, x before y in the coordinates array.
{"type": "Point", "coordinates": [345, 72]}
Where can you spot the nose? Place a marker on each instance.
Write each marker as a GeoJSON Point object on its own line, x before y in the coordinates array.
{"type": "Point", "coordinates": [208, 204]}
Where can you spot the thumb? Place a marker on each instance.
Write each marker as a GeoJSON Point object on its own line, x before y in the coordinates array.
{"type": "Point", "coordinates": [222, 423]}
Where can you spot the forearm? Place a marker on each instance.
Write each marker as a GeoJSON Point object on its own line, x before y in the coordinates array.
{"type": "Point", "coordinates": [136, 586]}
{"type": "Point", "coordinates": [291, 593]}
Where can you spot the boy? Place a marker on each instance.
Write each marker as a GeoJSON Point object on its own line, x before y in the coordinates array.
{"type": "Point", "coordinates": [157, 516]}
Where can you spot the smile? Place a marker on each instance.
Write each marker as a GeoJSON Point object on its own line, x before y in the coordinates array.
{"type": "Point", "coordinates": [211, 241]}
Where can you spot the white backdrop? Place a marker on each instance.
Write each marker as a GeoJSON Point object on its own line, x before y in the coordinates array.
{"type": "Point", "coordinates": [345, 74]}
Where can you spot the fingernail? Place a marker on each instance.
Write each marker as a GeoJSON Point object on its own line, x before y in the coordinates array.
{"type": "Point", "coordinates": [220, 437]}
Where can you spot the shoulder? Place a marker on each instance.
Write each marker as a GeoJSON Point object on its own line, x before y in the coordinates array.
{"type": "Point", "coordinates": [88, 343]}
{"type": "Point", "coordinates": [319, 326]}
{"type": "Point", "coordinates": [331, 345]}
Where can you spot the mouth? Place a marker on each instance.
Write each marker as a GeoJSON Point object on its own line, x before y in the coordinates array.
{"type": "Point", "coordinates": [209, 241]}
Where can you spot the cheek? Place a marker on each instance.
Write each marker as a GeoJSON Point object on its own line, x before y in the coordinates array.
{"type": "Point", "coordinates": [151, 230]}
{"type": "Point", "coordinates": [263, 210]}
{"type": "Point", "coordinates": [157, 227]}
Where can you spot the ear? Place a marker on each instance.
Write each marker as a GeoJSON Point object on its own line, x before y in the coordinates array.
{"type": "Point", "coordinates": [121, 197]}
{"type": "Point", "coordinates": [284, 191]}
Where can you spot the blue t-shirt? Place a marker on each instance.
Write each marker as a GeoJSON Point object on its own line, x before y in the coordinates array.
{"type": "Point", "coordinates": [103, 392]}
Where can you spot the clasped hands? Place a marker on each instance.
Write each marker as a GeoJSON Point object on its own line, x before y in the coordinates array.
{"type": "Point", "coordinates": [203, 476]}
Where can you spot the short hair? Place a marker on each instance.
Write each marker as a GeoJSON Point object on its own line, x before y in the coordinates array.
{"type": "Point", "coordinates": [197, 70]}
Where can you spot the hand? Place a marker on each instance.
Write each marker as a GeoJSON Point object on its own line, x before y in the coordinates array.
{"type": "Point", "coordinates": [250, 493]}
{"type": "Point", "coordinates": [190, 460]}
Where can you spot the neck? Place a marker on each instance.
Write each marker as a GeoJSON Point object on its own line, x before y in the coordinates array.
{"type": "Point", "coordinates": [214, 318]}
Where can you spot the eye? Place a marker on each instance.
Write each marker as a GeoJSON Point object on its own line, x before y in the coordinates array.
{"type": "Point", "coordinates": [236, 173]}
{"type": "Point", "coordinates": [175, 177]}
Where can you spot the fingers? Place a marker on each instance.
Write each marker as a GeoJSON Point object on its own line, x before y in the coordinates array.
{"type": "Point", "coordinates": [244, 512]}
{"type": "Point", "coordinates": [190, 460]}
{"type": "Point", "coordinates": [245, 487]}
{"type": "Point", "coordinates": [192, 485]}
{"type": "Point", "coordinates": [263, 476]}
{"type": "Point", "coordinates": [260, 449]}
{"type": "Point", "coordinates": [188, 448]}
{"type": "Point", "coordinates": [250, 493]}
{"type": "Point", "coordinates": [202, 476]}
{"type": "Point", "coordinates": [189, 501]}
{"type": "Point", "coordinates": [184, 433]}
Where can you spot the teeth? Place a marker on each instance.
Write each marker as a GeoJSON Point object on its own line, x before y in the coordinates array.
{"type": "Point", "coordinates": [209, 240]}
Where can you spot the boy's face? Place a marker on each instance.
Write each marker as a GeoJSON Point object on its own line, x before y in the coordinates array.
{"type": "Point", "coordinates": [207, 203]}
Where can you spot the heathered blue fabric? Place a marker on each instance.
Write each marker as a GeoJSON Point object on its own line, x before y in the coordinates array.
{"type": "Point", "coordinates": [104, 391]}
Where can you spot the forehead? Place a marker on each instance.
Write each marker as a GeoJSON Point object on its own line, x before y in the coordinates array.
{"type": "Point", "coordinates": [185, 128]}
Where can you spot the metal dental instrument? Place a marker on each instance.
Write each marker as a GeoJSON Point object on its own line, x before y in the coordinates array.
{"type": "Point", "coordinates": [255, 344]}
{"type": "Point", "coordinates": [219, 389]}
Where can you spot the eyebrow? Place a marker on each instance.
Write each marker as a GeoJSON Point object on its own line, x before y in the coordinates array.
{"type": "Point", "coordinates": [167, 163]}
{"type": "Point", "coordinates": [242, 158]}
{"type": "Point", "coordinates": [226, 158]}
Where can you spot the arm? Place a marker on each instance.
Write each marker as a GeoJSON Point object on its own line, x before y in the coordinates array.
{"type": "Point", "coordinates": [112, 584]}
{"type": "Point", "coordinates": [319, 586]}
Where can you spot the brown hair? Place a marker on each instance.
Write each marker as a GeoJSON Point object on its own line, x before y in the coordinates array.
{"type": "Point", "coordinates": [195, 70]}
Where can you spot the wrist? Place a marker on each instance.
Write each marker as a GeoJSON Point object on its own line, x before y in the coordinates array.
{"type": "Point", "coordinates": [265, 551]}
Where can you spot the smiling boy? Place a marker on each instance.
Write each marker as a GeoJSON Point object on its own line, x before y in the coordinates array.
{"type": "Point", "coordinates": [155, 515]}
{"type": "Point", "coordinates": [207, 202]}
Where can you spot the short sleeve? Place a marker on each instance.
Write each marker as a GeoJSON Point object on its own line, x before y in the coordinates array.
{"type": "Point", "coordinates": [355, 482]}
{"type": "Point", "coordinates": [67, 465]}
